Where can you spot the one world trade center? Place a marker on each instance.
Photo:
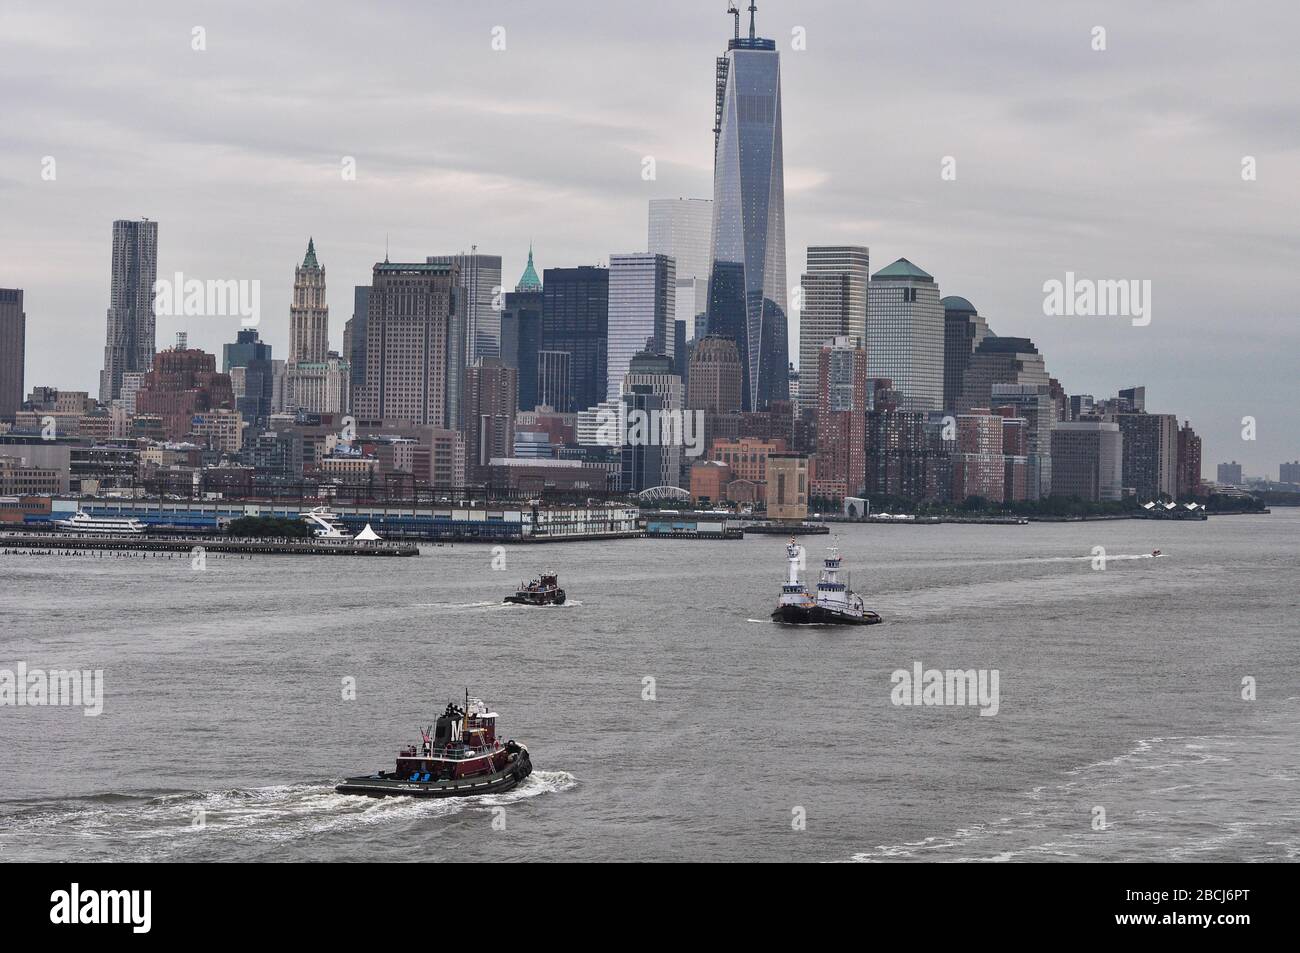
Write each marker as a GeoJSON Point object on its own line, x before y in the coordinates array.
{"type": "Point", "coordinates": [747, 290]}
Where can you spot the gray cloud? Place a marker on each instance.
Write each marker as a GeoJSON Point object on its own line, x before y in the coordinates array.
{"type": "Point", "coordinates": [1123, 163]}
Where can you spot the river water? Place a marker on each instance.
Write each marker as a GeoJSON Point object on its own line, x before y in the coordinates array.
{"type": "Point", "coordinates": [1121, 731]}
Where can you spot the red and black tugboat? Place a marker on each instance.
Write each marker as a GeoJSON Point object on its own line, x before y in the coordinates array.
{"type": "Point", "coordinates": [543, 591]}
{"type": "Point", "coordinates": [460, 756]}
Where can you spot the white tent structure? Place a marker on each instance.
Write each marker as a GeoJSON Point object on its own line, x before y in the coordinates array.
{"type": "Point", "coordinates": [368, 535]}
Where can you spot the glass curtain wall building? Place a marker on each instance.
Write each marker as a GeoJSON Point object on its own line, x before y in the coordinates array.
{"type": "Point", "coordinates": [747, 288]}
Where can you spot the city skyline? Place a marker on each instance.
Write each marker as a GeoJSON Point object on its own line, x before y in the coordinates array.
{"type": "Point", "coordinates": [1173, 207]}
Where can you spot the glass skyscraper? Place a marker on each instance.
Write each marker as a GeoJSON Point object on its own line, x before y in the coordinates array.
{"type": "Point", "coordinates": [642, 301]}
{"type": "Point", "coordinates": [747, 290]}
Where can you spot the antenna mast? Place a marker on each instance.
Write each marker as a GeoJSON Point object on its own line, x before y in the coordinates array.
{"type": "Point", "coordinates": [752, 9]}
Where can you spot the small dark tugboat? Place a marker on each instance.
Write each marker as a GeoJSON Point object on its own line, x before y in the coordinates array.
{"type": "Point", "coordinates": [460, 757]}
{"type": "Point", "coordinates": [833, 604]}
{"type": "Point", "coordinates": [543, 591]}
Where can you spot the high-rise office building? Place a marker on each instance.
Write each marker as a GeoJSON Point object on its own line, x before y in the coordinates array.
{"type": "Point", "coordinates": [1150, 454]}
{"type": "Point", "coordinates": [521, 339]}
{"type": "Point", "coordinates": [410, 342]}
{"type": "Point", "coordinates": [354, 339]}
{"type": "Point", "coordinates": [1288, 472]}
{"type": "Point", "coordinates": [1034, 404]}
{"type": "Point", "coordinates": [681, 229]}
{"type": "Point", "coordinates": [1087, 460]}
{"type": "Point", "coordinates": [715, 380]}
{"type": "Point", "coordinates": [575, 321]}
{"type": "Point", "coordinates": [131, 318]}
{"type": "Point", "coordinates": [309, 315]}
{"type": "Point", "coordinates": [905, 334]}
{"type": "Point", "coordinates": [554, 381]}
{"type": "Point", "coordinates": [489, 405]}
{"type": "Point", "coordinates": [1188, 480]}
{"type": "Point", "coordinates": [747, 283]}
{"type": "Point", "coordinates": [13, 349]}
{"type": "Point", "coordinates": [963, 330]}
{"type": "Point", "coordinates": [480, 279]}
{"type": "Point", "coordinates": [653, 373]}
{"type": "Point", "coordinates": [250, 357]}
{"type": "Point", "coordinates": [642, 299]}
{"type": "Point", "coordinates": [316, 379]}
{"type": "Point", "coordinates": [834, 291]}
{"type": "Point", "coordinates": [842, 415]}
{"type": "Point", "coordinates": [1000, 360]}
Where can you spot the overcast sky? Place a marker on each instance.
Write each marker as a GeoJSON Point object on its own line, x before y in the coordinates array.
{"type": "Point", "coordinates": [1117, 164]}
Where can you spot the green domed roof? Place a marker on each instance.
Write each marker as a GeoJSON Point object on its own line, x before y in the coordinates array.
{"type": "Point", "coordinates": [957, 303]}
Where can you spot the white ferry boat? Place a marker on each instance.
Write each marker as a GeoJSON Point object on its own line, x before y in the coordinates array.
{"type": "Point", "coordinates": [83, 522]}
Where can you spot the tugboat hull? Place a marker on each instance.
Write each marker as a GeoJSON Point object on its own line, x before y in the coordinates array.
{"type": "Point", "coordinates": [385, 784]}
{"type": "Point", "coordinates": [819, 615]}
{"type": "Point", "coordinates": [538, 599]}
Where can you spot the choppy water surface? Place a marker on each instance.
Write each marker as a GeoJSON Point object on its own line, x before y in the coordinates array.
{"type": "Point", "coordinates": [224, 728]}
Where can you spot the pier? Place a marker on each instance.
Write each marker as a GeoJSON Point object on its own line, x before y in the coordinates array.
{"type": "Point", "coordinates": [208, 544]}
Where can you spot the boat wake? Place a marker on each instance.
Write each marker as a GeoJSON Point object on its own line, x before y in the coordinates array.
{"type": "Point", "coordinates": [160, 824]}
{"type": "Point", "coordinates": [1165, 797]}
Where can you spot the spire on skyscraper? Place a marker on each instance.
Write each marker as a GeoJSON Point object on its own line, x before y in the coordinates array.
{"type": "Point", "coordinates": [529, 281]}
{"type": "Point", "coordinates": [309, 260]}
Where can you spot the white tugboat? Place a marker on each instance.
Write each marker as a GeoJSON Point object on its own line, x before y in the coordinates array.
{"type": "Point", "coordinates": [834, 603]}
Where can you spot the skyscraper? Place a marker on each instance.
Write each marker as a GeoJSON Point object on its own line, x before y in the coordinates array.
{"type": "Point", "coordinates": [1087, 460]}
{"type": "Point", "coordinates": [354, 338]}
{"type": "Point", "coordinates": [13, 347]}
{"type": "Point", "coordinates": [316, 379]}
{"type": "Point", "coordinates": [841, 392]}
{"type": "Point", "coordinates": [490, 402]}
{"type": "Point", "coordinates": [480, 278]}
{"type": "Point", "coordinates": [747, 289]}
{"type": "Point", "coordinates": [905, 331]}
{"type": "Point", "coordinates": [681, 228]}
{"type": "Point", "coordinates": [253, 357]}
{"type": "Point", "coordinates": [1150, 454]}
{"type": "Point", "coordinates": [714, 382]}
{"type": "Point", "coordinates": [131, 320]}
{"type": "Point", "coordinates": [1188, 480]}
{"type": "Point", "coordinates": [410, 336]}
{"type": "Point", "coordinates": [309, 315]}
{"type": "Point", "coordinates": [642, 299]}
{"type": "Point", "coordinates": [575, 321]}
{"type": "Point", "coordinates": [963, 331]}
{"type": "Point", "coordinates": [653, 373]}
{"type": "Point", "coordinates": [999, 360]}
{"type": "Point", "coordinates": [1032, 402]}
{"type": "Point", "coordinates": [834, 305]}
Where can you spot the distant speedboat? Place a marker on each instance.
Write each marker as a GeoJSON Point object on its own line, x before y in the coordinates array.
{"type": "Point", "coordinates": [83, 522]}
{"type": "Point", "coordinates": [1155, 552]}
{"type": "Point", "coordinates": [833, 603]}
